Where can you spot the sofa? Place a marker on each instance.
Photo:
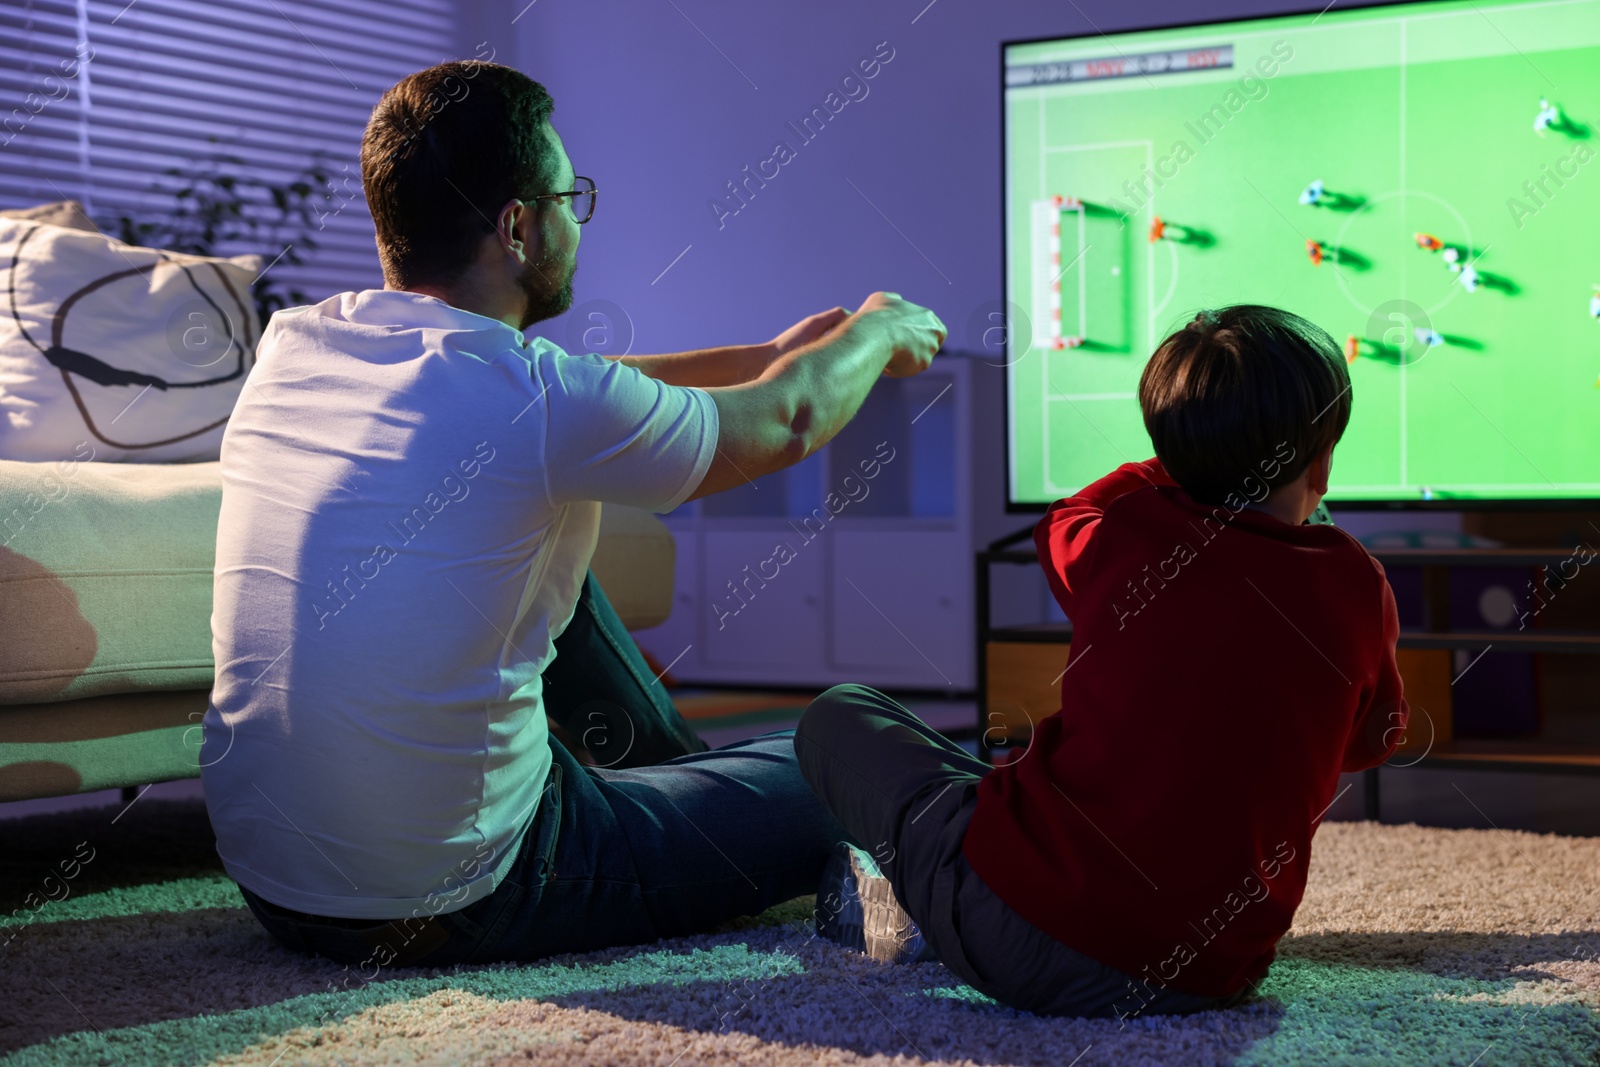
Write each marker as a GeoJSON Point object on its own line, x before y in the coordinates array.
{"type": "Point", "coordinates": [105, 617]}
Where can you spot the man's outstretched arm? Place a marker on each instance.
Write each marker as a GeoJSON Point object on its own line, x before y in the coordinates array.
{"type": "Point", "coordinates": [709, 368]}
{"type": "Point", "coordinates": [807, 395]}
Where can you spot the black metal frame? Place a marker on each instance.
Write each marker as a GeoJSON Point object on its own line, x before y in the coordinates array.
{"type": "Point", "coordinates": [592, 193]}
{"type": "Point", "coordinates": [999, 551]}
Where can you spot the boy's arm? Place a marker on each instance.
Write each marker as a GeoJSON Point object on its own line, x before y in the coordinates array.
{"type": "Point", "coordinates": [1381, 722]}
{"type": "Point", "coordinates": [1065, 534]}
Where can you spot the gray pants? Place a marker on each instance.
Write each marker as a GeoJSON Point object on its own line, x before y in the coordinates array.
{"type": "Point", "coordinates": [906, 794]}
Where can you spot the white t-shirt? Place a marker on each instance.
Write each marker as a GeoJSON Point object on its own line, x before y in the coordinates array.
{"type": "Point", "coordinates": [409, 504]}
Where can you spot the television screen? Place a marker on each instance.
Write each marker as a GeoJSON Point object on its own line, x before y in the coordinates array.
{"type": "Point", "coordinates": [1419, 179]}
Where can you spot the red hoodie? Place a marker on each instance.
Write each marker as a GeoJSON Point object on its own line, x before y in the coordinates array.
{"type": "Point", "coordinates": [1225, 668]}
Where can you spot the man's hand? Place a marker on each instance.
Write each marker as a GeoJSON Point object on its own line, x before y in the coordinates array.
{"type": "Point", "coordinates": [807, 330]}
{"type": "Point", "coordinates": [914, 333]}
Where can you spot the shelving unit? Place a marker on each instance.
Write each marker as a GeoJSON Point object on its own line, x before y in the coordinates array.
{"type": "Point", "coordinates": [1003, 703]}
{"type": "Point", "coordinates": [774, 589]}
{"type": "Point", "coordinates": [1535, 756]}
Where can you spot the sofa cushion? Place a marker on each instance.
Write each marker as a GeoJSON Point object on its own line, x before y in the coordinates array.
{"type": "Point", "coordinates": [106, 572]}
{"type": "Point", "coordinates": [633, 562]}
{"type": "Point", "coordinates": [99, 743]}
{"type": "Point", "coordinates": [105, 577]}
{"type": "Point", "coordinates": [136, 353]}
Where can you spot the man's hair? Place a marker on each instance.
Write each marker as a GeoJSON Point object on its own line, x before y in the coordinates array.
{"type": "Point", "coordinates": [1227, 397]}
{"type": "Point", "coordinates": [444, 150]}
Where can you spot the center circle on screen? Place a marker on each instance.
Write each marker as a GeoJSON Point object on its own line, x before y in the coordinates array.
{"type": "Point", "coordinates": [1462, 235]}
{"type": "Point", "coordinates": [1172, 283]}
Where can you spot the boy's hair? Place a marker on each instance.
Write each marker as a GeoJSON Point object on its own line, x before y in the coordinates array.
{"type": "Point", "coordinates": [1225, 394]}
{"type": "Point", "coordinates": [444, 149]}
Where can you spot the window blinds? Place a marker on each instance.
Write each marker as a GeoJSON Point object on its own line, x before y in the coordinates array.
{"type": "Point", "coordinates": [98, 98]}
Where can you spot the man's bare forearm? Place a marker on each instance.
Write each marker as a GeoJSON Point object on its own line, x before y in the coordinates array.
{"type": "Point", "coordinates": [827, 366]}
{"type": "Point", "coordinates": [794, 408]}
{"type": "Point", "coordinates": [706, 368]}
{"type": "Point", "coordinates": [827, 380]}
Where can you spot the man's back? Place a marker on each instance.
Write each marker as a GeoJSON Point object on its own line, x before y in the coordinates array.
{"type": "Point", "coordinates": [1226, 666]}
{"type": "Point", "coordinates": [408, 513]}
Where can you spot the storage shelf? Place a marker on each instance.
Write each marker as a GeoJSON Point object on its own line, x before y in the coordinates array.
{"type": "Point", "coordinates": [1061, 633]}
{"type": "Point", "coordinates": [1399, 557]}
{"type": "Point", "coordinates": [1507, 642]}
{"type": "Point", "coordinates": [772, 588]}
{"type": "Point", "coordinates": [1483, 754]}
{"type": "Point", "coordinates": [1050, 633]}
{"type": "Point", "coordinates": [1472, 557]}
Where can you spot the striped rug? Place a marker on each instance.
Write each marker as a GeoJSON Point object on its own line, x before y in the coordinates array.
{"type": "Point", "coordinates": [1413, 946]}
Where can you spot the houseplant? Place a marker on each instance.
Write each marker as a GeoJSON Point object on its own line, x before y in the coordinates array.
{"type": "Point", "coordinates": [217, 205]}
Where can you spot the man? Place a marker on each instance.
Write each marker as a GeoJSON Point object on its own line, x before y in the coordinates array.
{"type": "Point", "coordinates": [411, 494]}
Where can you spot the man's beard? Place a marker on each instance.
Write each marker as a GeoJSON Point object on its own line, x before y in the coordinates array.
{"type": "Point", "coordinates": [546, 299]}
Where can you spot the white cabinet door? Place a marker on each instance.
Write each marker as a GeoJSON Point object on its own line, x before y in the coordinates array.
{"type": "Point", "coordinates": [902, 608]}
{"type": "Point", "coordinates": [763, 602]}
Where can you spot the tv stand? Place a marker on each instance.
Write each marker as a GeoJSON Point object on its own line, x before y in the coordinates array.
{"type": "Point", "coordinates": [1014, 663]}
{"type": "Point", "coordinates": [1531, 755]}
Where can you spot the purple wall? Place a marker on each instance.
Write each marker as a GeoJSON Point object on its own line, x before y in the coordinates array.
{"type": "Point", "coordinates": [662, 118]}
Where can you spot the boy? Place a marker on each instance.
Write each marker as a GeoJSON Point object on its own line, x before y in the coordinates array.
{"type": "Point", "coordinates": [1229, 661]}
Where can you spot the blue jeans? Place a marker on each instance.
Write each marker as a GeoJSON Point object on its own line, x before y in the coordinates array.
{"type": "Point", "coordinates": [660, 838]}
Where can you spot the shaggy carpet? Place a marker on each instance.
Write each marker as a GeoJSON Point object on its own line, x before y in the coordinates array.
{"type": "Point", "coordinates": [124, 944]}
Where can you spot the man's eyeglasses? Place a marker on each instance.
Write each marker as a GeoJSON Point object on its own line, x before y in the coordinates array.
{"type": "Point", "coordinates": [582, 199]}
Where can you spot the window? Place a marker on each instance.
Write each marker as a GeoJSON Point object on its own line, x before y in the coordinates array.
{"type": "Point", "coordinates": [99, 97]}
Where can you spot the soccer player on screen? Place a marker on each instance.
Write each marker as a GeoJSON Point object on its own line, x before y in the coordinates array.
{"type": "Point", "coordinates": [1229, 661]}
{"type": "Point", "coordinates": [1548, 118]}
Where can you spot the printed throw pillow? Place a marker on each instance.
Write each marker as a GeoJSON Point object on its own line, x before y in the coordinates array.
{"type": "Point", "coordinates": [68, 213]}
{"type": "Point", "coordinates": [139, 353]}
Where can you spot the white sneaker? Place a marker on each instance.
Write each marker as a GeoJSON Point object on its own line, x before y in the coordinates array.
{"type": "Point", "coordinates": [856, 908]}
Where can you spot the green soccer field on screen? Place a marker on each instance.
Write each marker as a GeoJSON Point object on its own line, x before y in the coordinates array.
{"type": "Point", "coordinates": [1418, 179]}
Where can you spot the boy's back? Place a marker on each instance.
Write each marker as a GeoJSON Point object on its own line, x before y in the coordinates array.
{"type": "Point", "coordinates": [1226, 667]}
